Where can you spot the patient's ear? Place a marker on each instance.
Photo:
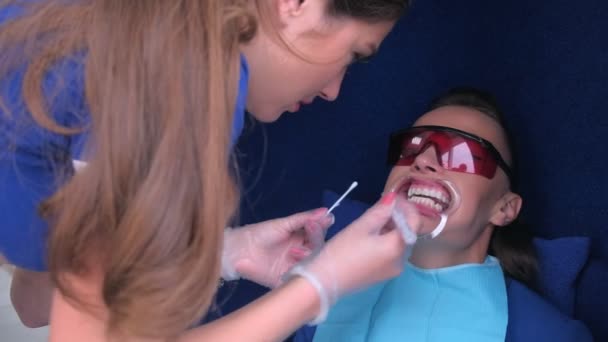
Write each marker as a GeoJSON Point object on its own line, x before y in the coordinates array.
{"type": "Point", "coordinates": [506, 209]}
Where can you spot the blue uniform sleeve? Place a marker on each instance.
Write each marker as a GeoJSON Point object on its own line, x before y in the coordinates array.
{"type": "Point", "coordinates": [239, 110]}
{"type": "Point", "coordinates": [34, 161]}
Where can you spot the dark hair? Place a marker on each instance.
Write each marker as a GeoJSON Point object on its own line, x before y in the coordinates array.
{"type": "Point", "coordinates": [370, 10]}
{"type": "Point", "coordinates": [472, 98]}
{"type": "Point", "coordinates": [512, 245]}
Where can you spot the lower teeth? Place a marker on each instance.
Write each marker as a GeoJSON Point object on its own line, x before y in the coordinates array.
{"type": "Point", "coordinates": [426, 202]}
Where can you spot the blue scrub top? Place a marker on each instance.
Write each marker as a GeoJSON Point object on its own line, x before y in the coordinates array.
{"type": "Point", "coordinates": [31, 155]}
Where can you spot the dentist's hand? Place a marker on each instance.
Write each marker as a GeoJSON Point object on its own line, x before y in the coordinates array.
{"type": "Point", "coordinates": [368, 251]}
{"type": "Point", "coordinates": [264, 251]}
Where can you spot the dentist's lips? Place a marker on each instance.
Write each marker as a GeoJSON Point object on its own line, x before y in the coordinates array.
{"type": "Point", "coordinates": [294, 107]}
{"type": "Point", "coordinates": [430, 197]}
{"type": "Point", "coordinates": [297, 106]}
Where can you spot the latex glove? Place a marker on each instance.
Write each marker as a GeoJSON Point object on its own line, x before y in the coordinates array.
{"type": "Point", "coordinates": [368, 251]}
{"type": "Point", "coordinates": [265, 251]}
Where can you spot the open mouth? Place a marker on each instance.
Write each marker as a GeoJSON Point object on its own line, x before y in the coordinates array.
{"type": "Point", "coordinates": [431, 197]}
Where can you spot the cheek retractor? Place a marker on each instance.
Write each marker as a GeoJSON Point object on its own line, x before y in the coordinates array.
{"type": "Point", "coordinates": [409, 236]}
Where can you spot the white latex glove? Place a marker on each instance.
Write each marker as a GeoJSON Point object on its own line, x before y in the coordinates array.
{"type": "Point", "coordinates": [368, 251]}
{"type": "Point", "coordinates": [265, 251]}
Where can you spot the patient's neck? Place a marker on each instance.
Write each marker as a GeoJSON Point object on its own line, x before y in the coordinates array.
{"type": "Point", "coordinates": [430, 254]}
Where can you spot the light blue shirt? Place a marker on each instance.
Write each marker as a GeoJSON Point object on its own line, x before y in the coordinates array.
{"type": "Point", "coordinates": [460, 303]}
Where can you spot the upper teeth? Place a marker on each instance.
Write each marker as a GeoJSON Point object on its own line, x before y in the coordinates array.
{"type": "Point", "coordinates": [428, 192]}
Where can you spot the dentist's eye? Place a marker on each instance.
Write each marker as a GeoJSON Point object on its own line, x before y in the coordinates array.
{"type": "Point", "coordinates": [360, 58]}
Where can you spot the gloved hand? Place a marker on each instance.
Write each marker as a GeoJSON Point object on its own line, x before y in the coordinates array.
{"type": "Point", "coordinates": [368, 251]}
{"type": "Point", "coordinates": [264, 251]}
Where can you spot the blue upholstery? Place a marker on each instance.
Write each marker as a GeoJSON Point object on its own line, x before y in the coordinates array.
{"type": "Point", "coordinates": [547, 64]}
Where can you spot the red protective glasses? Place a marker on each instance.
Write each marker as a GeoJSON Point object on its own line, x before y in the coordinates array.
{"type": "Point", "coordinates": [456, 150]}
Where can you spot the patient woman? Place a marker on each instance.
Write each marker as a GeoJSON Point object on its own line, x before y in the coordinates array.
{"type": "Point", "coordinates": [454, 165]}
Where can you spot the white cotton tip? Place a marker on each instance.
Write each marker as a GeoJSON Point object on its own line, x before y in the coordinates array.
{"type": "Point", "coordinates": [351, 188]}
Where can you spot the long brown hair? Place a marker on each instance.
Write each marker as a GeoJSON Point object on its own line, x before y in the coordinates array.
{"type": "Point", "coordinates": [149, 209]}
